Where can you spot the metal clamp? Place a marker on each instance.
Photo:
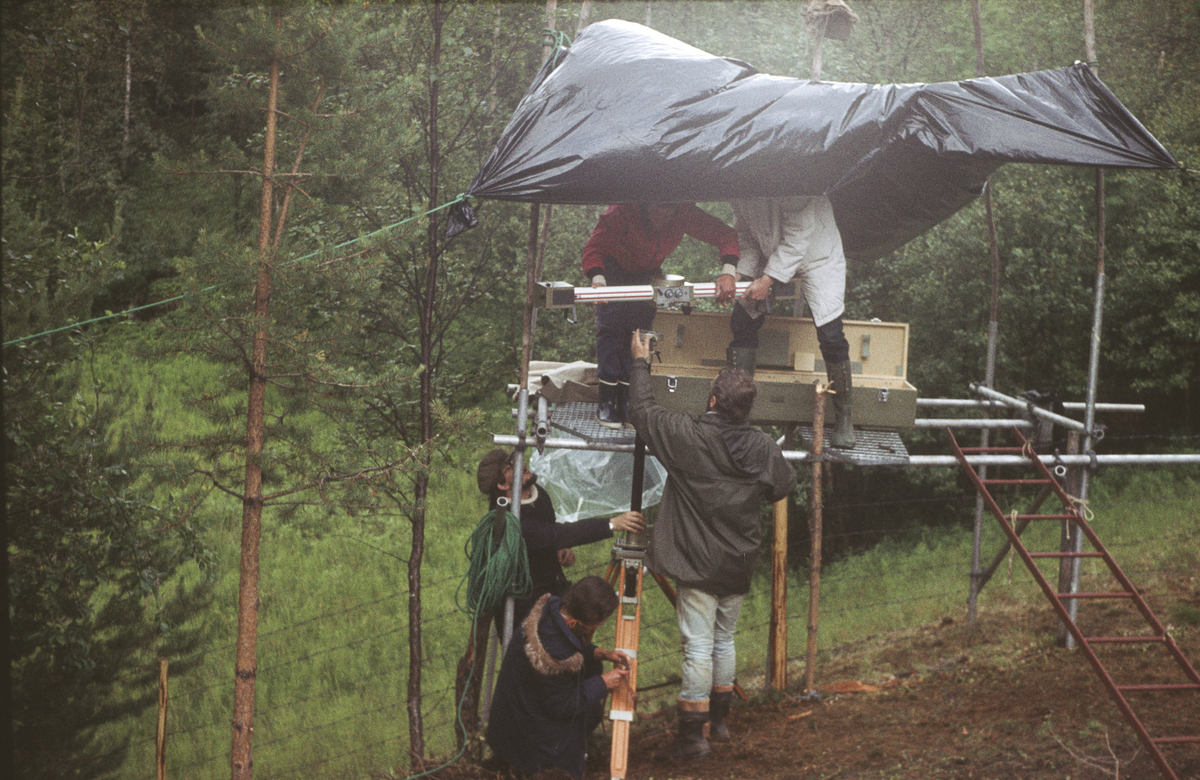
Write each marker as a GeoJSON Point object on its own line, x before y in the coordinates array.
{"type": "Point", "coordinates": [1060, 468]}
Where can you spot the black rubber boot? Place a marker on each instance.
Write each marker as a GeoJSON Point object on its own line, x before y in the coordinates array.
{"type": "Point", "coordinates": [743, 359]}
{"type": "Point", "coordinates": [843, 437]}
{"type": "Point", "coordinates": [623, 404]}
{"type": "Point", "coordinates": [607, 413]}
{"type": "Point", "coordinates": [690, 742]}
{"type": "Point", "coordinates": [718, 711]}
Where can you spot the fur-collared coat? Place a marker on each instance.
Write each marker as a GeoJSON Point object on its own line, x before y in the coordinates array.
{"type": "Point", "coordinates": [549, 695]}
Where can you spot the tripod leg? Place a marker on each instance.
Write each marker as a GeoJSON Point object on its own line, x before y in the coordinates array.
{"type": "Point", "coordinates": [624, 698]}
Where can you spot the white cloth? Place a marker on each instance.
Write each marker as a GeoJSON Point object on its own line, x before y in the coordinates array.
{"type": "Point", "coordinates": [793, 238]}
{"type": "Point", "coordinates": [564, 382]}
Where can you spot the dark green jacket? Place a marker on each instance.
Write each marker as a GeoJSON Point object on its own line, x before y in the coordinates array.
{"type": "Point", "coordinates": [707, 532]}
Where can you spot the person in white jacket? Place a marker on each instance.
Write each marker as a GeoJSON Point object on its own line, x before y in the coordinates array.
{"type": "Point", "coordinates": [781, 239]}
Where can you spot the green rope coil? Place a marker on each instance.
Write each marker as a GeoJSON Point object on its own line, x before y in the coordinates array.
{"type": "Point", "coordinates": [497, 570]}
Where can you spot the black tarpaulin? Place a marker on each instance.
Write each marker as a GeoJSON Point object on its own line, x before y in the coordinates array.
{"type": "Point", "coordinates": [627, 114]}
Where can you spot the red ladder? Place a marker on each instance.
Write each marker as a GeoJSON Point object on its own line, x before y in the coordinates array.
{"type": "Point", "coordinates": [1157, 634]}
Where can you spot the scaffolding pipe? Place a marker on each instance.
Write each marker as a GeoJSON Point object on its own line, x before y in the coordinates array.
{"type": "Point", "coordinates": [1054, 460]}
{"type": "Point", "coordinates": [985, 427]}
{"type": "Point", "coordinates": [518, 485]}
{"type": "Point", "coordinates": [933, 422]}
{"type": "Point", "coordinates": [914, 460]}
{"type": "Point", "coordinates": [1089, 414]}
{"type": "Point", "coordinates": [977, 403]}
{"type": "Point", "coordinates": [816, 502]}
{"type": "Point", "coordinates": [1037, 411]}
{"type": "Point", "coordinates": [543, 432]}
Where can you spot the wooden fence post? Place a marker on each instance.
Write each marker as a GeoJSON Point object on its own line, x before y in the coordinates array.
{"type": "Point", "coordinates": [777, 644]}
{"type": "Point", "coordinates": [161, 737]}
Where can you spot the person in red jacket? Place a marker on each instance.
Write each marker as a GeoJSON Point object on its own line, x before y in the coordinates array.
{"type": "Point", "coordinates": [627, 247]}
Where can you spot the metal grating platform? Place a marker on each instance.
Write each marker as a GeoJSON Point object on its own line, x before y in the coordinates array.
{"type": "Point", "coordinates": [578, 418]}
{"type": "Point", "coordinates": [871, 448]}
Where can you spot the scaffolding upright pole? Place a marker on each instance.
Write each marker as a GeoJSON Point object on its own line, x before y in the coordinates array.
{"type": "Point", "coordinates": [993, 334]}
{"type": "Point", "coordinates": [815, 532]}
{"type": "Point", "coordinates": [1089, 414]}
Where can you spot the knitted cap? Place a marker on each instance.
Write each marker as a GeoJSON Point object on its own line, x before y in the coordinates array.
{"type": "Point", "coordinates": [490, 470]}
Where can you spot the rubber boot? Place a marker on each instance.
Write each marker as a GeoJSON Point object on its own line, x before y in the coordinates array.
{"type": "Point", "coordinates": [742, 358]}
{"type": "Point", "coordinates": [623, 404]}
{"type": "Point", "coordinates": [843, 426]}
{"type": "Point", "coordinates": [607, 413]}
{"type": "Point", "coordinates": [718, 711]}
{"type": "Point", "coordinates": [690, 742]}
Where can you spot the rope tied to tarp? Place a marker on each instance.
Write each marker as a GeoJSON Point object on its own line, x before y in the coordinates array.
{"type": "Point", "coordinates": [462, 197]}
{"type": "Point", "coordinates": [560, 42]}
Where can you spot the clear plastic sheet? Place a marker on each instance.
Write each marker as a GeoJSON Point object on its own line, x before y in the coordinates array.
{"type": "Point", "coordinates": [585, 483]}
{"type": "Point", "coordinates": [627, 114]}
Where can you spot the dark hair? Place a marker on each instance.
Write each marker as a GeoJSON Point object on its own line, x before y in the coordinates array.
{"type": "Point", "coordinates": [591, 600]}
{"type": "Point", "coordinates": [491, 470]}
{"type": "Point", "coordinates": [734, 392]}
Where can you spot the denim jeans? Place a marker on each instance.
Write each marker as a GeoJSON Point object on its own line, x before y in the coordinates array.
{"type": "Point", "coordinates": [707, 624]}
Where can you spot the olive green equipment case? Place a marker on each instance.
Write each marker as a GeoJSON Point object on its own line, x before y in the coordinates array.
{"type": "Point", "coordinates": [692, 347]}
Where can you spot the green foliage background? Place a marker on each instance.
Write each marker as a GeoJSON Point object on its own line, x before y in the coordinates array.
{"type": "Point", "coordinates": [131, 133]}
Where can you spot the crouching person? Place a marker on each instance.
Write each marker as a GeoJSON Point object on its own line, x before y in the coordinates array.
{"type": "Point", "coordinates": [550, 693]}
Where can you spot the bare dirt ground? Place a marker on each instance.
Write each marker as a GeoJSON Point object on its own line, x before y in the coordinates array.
{"type": "Point", "coordinates": [1000, 701]}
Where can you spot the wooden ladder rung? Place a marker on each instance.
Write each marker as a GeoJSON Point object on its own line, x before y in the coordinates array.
{"type": "Point", "coordinates": [1161, 687]}
{"type": "Point", "coordinates": [1066, 555]}
{"type": "Point", "coordinates": [1118, 640]}
{"type": "Point", "coordinates": [1124, 594]}
{"type": "Point", "coordinates": [1047, 517]}
{"type": "Point", "coordinates": [1015, 481]}
{"type": "Point", "coordinates": [990, 450]}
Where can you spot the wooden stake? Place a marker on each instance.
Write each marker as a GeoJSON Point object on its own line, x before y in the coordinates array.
{"type": "Point", "coordinates": [777, 645]}
{"type": "Point", "coordinates": [160, 741]}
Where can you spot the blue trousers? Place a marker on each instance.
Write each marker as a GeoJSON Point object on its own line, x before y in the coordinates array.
{"type": "Point", "coordinates": [616, 322]}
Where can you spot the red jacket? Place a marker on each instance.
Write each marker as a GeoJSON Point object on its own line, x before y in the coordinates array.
{"type": "Point", "coordinates": [624, 235]}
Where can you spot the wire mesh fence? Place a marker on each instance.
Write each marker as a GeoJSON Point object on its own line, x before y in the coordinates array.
{"type": "Point", "coordinates": [332, 684]}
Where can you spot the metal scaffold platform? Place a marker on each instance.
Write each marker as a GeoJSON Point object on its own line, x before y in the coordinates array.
{"type": "Point", "coordinates": [578, 418]}
{"type": "Point", "coordinates": [873, 448]}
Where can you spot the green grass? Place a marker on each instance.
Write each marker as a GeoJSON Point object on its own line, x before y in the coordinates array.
{"type": "Point", "coordinates": [333, 657]}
